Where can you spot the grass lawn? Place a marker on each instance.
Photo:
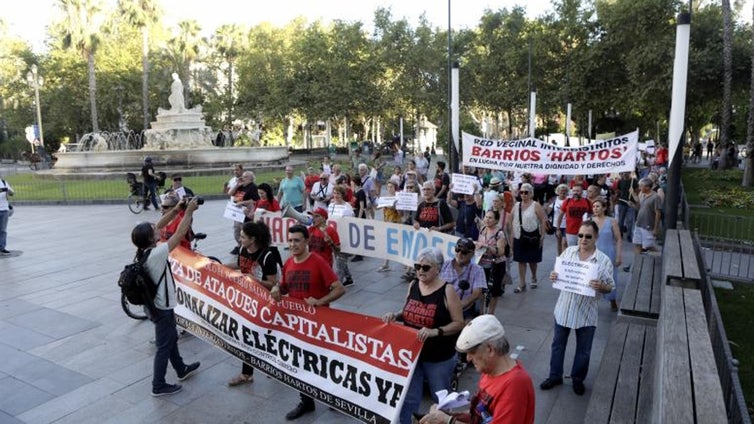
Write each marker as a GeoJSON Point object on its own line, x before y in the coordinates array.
{"type": "Point", "coordinates": [30, 188]}
{"type": "Point", "coordinates": [738, 316]}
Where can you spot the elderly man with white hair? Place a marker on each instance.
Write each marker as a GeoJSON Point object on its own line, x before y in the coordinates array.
{"type": "Point", "coordinates": [506, 393]}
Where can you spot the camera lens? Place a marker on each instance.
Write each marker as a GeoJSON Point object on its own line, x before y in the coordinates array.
{"type": "Point", "coordinates": [199, 200]}
{"type": "Point", "coordinates": [464, 284]}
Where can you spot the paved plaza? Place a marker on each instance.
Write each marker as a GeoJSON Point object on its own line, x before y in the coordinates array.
{"type": "Point", "coordinates": [68, 354]}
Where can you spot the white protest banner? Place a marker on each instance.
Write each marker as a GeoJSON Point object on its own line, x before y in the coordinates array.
{"type": "Point", "coordinates": [354, 363]}
{"type": "Point", "coordinates": [375, 239]}
{"type": "Point", "coordinates": [537, 156]}
{"type": "Point", "coordinates": [407, 201]}
{"type": "Point", "coordinates": [574, 276]}
{"type": "Point", "coordinates": [234, 212]}
{"type": "Point", "coordinates": [464, 184]}
{"type": "Point", "coordinates": [386, 202]}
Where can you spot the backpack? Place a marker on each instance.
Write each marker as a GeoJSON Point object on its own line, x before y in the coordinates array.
{"type": "Point", "coordinates": [136, 284]}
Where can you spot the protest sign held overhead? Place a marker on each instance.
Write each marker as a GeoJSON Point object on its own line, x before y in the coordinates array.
{"type": "Point", "coordinates": [616, 154]}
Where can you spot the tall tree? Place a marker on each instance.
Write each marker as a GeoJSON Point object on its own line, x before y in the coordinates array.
{"type": "Point", "coordinates": [80, 29]}
{"type": "Point", "coordinates": [727, 79]}
{"type": "Point", "coordinates": [141, 14]}
{"type": "Point", "coordinates": [228, 41]}
{"type": "Point", "coordinates": [748, 178]}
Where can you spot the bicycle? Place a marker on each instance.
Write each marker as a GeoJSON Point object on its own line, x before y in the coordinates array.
{"type": "Point", "coordinates": [137, 311]}
{"type": "Point", "coordinates": [135, 197]}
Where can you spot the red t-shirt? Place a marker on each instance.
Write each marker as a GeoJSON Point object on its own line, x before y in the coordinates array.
{"type": "Point", "coordinates": [167, 231]}
{"type": "Point", "coordinates": [584, 184]}
{"type": "Point", "coordinates": [508, 397]}
{"type": "Point", "coordinates": [661, 157]}
{"type": "Point", "coordinates": [318, 245]}
{"type": "Point", "coordinates": [270, 207]}
{"type": "Point", "coordinates": [312, 277]}
{"type": "Point", "coordinates": [573, 212]}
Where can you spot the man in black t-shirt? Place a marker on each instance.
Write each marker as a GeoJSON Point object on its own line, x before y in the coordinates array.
{"type": "Point", "coordinates": [150, 183]}
{"type": "Point", "coordinates": [442, 180]}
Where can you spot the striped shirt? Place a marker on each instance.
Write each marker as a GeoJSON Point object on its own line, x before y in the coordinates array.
{"type": "Point", "coordinates": [576, 310]}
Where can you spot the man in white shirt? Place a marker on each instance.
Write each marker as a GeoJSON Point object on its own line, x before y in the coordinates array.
{"type": "Point", "coordinates": [5, 191]}
{"type": "Point", "coordinates": [321, 192]}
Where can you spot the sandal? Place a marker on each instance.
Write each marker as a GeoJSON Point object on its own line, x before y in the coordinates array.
{"type": "Point", "coordinates": [533, 285]}
{"type": "Point", "coordinates": [384, 268]}
{"type": "Point", "coordinates": [519, 289]}
{"type": "Point", "coordinates": [240, 379]}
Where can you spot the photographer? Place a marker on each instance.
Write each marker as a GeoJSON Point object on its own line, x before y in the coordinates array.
{"type": "Point", "coordinates": [5, 191]}
{"type": "Point", "coordinates": [144, 237]}
{"type": "Point", "coordinates": [466, 277]}
{"type": "Point", "coordinates": [321, 193]}
{"type": "Point", "coordinates": [169, 203]}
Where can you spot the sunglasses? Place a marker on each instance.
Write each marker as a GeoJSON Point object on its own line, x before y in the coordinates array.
{"type": "Point", "coordinates": [462, 251]}
{"type": "Point", "coordinates": [424, 268]}
{"type": "Point", "coordinates": [587, 236]}
{"type": "Point", "coordinates": [524, 192]}
{"type": "Point", "coordinates": [177, 179]}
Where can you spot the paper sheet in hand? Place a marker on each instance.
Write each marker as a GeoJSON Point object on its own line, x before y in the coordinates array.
{"type": "Point", "coordinates": [464, 184]}
{"type": "Point", "coordinates": [447, 401]}
{"type": "Point", "coordinates": [574, 276]}
{"type": "Point", "coordinates": [234, 212]}
{"type": "Point", "coordinates": [385, 202]}
{"type": "Point", "coordinates": [407, 201]}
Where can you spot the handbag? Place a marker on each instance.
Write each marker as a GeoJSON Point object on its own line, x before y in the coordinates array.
{"type": "Point", "coordinates": [527, 238]}
{"type": "Point", "coordinates": [10, 211]}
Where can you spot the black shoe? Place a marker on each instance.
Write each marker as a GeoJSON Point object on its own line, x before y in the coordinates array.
{"type": "Point", "coordinates": [348, 282]}
{"type": "Point", "coordinates": [168, 389]}
{"type": "Point", "coordinates": [188, 371]}
{"type": "Point", "coordinates": [550, 383]}
{"type": "Point", "coordinates": [578, 388]}
{"type": "Point", "coordinates": [299, 411]}
{"type": "Point", "coordinates": [357, 258]}
{"type": "Point", "coordinates": [235, 251]}
{"type": "Point", "coordinates": [146, 208]}
{"type": "Point", "coordinates": [5, 251]}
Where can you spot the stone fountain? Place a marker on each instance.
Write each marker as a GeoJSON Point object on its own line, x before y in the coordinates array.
{"type": "Point", "coordinates": [178, 140]}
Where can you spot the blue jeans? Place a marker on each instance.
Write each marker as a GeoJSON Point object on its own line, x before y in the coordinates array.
{"type": "Point", "coordinates": [3, 228]}
{"type": "Point", "coordinates": [166, 340]}
{"type": "Point", "coordinates": [150, 190]}
{"type": "Point", "coordinates": [437, 375]}
{"type": "Point", "coordinates": [625, 219]}
{"type": "Point", "coordinates": [584, 338]}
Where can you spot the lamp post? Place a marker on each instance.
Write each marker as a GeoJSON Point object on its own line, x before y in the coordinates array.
{"type": "Point", "coordinates": [36, 81]}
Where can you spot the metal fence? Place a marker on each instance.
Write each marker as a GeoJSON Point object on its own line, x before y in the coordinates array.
{"type": "Point", "coordinates": [727, 368]}
{"type": "Point", "coordinates": [727, 244]}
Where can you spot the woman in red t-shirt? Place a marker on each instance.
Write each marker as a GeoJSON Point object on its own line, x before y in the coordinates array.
{"type": "Point", "coordinates": [267, 200]}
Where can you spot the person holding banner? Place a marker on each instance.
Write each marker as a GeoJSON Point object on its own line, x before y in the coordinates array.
{"type": "Point", "coordinates": [306, 277]}
{"type": "Point", "coordinates": [578, 312]}
{"type": "Point", "coordinates": [390, 214]}
{"type": "Point", "coordinates": [145, 236]}
{"type": "Point", "coordinates": [258, 260]}
{"type": "Point", "coordinates": [339, 208]}
{"type": "Point", "coordinates": [528, 223]}
{"type": "Point", "coordinates": [506, 392]}
{"type": "Point", "coordinates": [434, 309]}
{"type": "Point", "coordinates": [245, 193]}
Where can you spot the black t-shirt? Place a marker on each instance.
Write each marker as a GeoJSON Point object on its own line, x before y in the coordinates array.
{"type": "Point", "coordinates": [146, 175]}
{"type": "Point", "coordinates": [361, 196]}
{"type": "Point", "coordinates": [433, 214]}
{"type": "Point", "coordinates": [259, 264]}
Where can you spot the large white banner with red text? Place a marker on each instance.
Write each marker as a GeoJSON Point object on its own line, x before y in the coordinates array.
{"type": "Point", "coordinates": [536, 156]}
{"type": "Point", "coordinates": [375, 239]}
{"type": "Point", "coordinates": [354, 363]}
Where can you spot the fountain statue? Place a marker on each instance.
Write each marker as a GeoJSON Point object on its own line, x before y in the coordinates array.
{"type": "Point", "coordinates": [178, 127]}
{"type": "Point", "coordinates": [178, 140]}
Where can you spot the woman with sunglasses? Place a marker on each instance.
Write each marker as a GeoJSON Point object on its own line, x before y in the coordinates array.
{"type": "Point", "coordinates": [528, 223]}
{"type": "Point", "coordinates": [434, 309]}
{"type": "Point", "coordinates": [609, 242]}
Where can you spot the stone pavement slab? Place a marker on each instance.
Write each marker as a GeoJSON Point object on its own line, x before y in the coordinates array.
{"type": "Point", "coordinates": [68, 354]}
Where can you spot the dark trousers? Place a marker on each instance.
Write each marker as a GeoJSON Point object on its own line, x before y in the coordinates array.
{"type": "Point", "coordinates": [584, 338]}
{"type": "Point", "coordinates": [166, 340]}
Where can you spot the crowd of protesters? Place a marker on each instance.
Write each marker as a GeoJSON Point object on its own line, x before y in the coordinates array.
{"type": "Point", "coordinates": [505, 219]}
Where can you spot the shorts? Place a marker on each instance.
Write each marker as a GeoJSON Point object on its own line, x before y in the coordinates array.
{"type": "Point", "coordinates": [643, 237]}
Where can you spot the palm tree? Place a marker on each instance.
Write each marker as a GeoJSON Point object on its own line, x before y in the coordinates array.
{"type": "Point", "coordinates": [186, 44]}
{"type": "Point", "coordinates": [228, 42]}
{"type": "Point", "coordinates": [80, 29]}
{"type": "Point", "coordinates": [727, 81]}
{"type": "Point", "coordinates": [140, 14]}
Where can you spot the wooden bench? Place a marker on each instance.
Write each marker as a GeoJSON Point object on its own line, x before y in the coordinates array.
{"type": "Point", "coordinates": [687, 384]}
{"type": "Point", "coordinates": [625, 382]}
{"type": "Point", "coordinates": [641, 299]}
{"type": "Point", "coordinates": [680, 264]}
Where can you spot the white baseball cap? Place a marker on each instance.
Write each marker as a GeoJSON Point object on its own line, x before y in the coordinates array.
{"type": "Point", "coordinates": [479, 330]}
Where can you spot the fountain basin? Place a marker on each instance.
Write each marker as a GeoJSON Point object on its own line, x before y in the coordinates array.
{"type": "Point", "coordinates": [128, 160]}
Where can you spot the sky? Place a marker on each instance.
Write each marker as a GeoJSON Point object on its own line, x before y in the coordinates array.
{"type": "Point", "coordinates": [27, 19]}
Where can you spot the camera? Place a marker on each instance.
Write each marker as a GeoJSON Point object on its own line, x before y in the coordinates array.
{"type": "Point", "coordinates": [199, 201]}
{"type": "Point", "coordinates": [464, 285]}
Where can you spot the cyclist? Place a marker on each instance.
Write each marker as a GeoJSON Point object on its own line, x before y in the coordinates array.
{"type": "Point", "coordinates": [150, 183]}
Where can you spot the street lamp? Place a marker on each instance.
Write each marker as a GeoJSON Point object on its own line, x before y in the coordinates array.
{"type": "Point", "coordinates": [36, 81]}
